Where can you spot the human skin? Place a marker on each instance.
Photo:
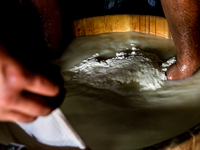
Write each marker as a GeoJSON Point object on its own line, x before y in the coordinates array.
{"type": "Point", "coordinates": [49, 13]}
{"type": "Point", "coordinates": [183, 17]}
{"type": "Point", "coordinates": [22, 92]}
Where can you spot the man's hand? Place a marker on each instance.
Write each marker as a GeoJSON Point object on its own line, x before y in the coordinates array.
{"type": "Point", "coordinates": [22, 92]}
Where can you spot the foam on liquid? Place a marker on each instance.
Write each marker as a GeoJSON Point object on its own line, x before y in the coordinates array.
{"type": "Point", "coordinates": [124, 116]}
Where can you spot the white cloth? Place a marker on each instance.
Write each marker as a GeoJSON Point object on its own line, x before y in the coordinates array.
{"type": "Point", "coordinates": [53, 130]}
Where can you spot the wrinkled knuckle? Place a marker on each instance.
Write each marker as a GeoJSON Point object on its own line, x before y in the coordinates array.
{"type": "Point", "coordinates": [15, 79]}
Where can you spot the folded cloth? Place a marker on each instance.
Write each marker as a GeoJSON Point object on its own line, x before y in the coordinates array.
{"type": "Point", "coordinates": [53, 130]}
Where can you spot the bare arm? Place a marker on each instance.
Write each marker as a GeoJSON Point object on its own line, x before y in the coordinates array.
{"type": "Point", "coordinates": [183, 17]}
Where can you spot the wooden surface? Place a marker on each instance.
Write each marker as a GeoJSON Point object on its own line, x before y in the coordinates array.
{"type": "Point", "coordinates": [122, 23]}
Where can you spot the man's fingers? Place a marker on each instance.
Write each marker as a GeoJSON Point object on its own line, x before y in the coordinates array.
{"type": "Point", "coordinates": [40, 85]}
{"type": "Point", "coordinates": [16, 117]}
{"type": "Point", "coordinates": [31, 105]}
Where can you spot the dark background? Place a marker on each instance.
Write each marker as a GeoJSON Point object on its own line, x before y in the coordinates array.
{"type": "Point", "coordinates": [20, 29]}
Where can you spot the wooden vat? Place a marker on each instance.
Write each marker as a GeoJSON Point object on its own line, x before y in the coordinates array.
{"type": "Point", "coordinates": [190, 140]}
{"type": "Point", "coordinates": [122, 23]}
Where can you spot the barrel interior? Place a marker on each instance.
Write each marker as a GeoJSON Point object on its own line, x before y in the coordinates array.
{"type": "Point", "coordinates": [145, 24]}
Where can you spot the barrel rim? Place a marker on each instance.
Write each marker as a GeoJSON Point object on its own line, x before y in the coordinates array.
{"type": "Point", "coordinates": [155, 25]}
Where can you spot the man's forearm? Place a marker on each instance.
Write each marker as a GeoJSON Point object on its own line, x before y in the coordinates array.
{"type": "Point", "coordinates": [183, 17]}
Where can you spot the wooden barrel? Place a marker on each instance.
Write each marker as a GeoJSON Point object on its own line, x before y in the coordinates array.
{"type": "Point", "coordinates": [122, 23]}
{"type": "Point", "coordinates": [190, 140]}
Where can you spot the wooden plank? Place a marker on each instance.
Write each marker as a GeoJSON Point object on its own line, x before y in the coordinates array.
{"type": "Point", "coordinates": [142, 23]}
{"type": "Point", "coordinates": [94, 25]}
{"type": "Point", "coordinates": [89, 26]}
{"type": "Point", "coordinates": [109, 23]}
{"type": "Point", "coordinates": [134, 23]}
{"type": "Point", "coordinates": [79, 28]}
{"type": "Point", "coordinates": [122, 23]}
{"type": "Point", "coordinates": [147, 24]}
{"type": "Point", "coordinates": [117, 23]}
{"type": "Point", "coordinates": [166, 30]}
{"type": "Point", "coordinates": [153, 25]}
{"type": "Point", "coordinates": [99, 26]}
{"type": "Point", "coordinates": [160, 26]}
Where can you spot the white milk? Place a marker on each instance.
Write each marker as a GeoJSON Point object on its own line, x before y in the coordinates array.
{"type": "Point", "coordinates": [127, 117]}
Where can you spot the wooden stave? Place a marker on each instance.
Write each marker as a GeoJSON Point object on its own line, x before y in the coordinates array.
{"type": "Point", "coordinates": [122, 23]}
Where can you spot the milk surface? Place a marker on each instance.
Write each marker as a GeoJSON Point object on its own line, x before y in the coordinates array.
{"type": "Point", "coordinates": [125, 117]}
